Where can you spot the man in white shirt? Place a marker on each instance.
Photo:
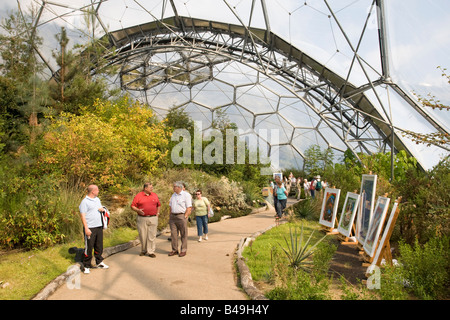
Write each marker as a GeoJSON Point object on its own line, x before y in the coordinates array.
{"type": "Point", "coordinates": [180, 209]}
{"type": "Point", "coordinates": [91, 217]}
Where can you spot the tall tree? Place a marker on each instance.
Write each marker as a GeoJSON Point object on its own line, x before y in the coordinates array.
{"type": "Point", "coordinates": [316, 160]}
{"type": "Point", "coordinates": [20, 68]}
{"type": "Point", "coordinates": [81, 78]}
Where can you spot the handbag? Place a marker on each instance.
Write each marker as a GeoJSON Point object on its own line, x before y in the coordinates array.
{"type": "Point", "coordinates": [210, 212]}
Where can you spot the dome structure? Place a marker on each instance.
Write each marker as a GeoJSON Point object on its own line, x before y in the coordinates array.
{"type": "Point", "coordinates": [338, 74]}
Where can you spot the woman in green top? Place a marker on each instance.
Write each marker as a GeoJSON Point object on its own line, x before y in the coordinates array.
{"type": "Point", "coordinates": [201, 207]}
{"type": "Point", "coordinates": [281, 198]}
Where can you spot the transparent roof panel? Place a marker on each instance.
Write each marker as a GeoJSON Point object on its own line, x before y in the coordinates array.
{"type": "Point", "coordinates": [317, 70]}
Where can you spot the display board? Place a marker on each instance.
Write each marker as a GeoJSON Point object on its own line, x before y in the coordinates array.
{"type": "Point", "coordinates": [329, 207]}
{"type": "Point", "coordinates": [376, 225]}
{"type": "Point", "coordinates": [348, 214]}
{"type": "Point", "coordinates": [366, 205]}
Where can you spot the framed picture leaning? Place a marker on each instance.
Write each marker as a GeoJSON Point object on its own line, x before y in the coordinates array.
{"type": "Point", "coordinates": [329, 207]}
{"type": "Point", "coordinates": [376, 224]}
{"type": "Point", "coordinates": [348, 214]}
{"type": "Point", "coordinates": [366, 205]}
{"type": "Point", "coordinates": [386, 235]}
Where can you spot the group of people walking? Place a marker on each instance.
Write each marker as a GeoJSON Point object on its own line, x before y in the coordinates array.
{"type": "Point", "coordinates": [147, 206]}
{"type": "Point", "coordinates": [281, 190]}
{"type": "Point", "coordinates": [310, 187]}
{"type": "Point", "coordinates": [313, 186]}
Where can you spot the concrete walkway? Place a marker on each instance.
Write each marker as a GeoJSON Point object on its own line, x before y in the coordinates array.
{"type": "Point", "coordinates": [207, 272]}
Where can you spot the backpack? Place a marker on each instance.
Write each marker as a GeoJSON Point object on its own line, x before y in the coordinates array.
{"type": "Point", "coordinates": [318, 186]}
{"type": "Point", "coordinates": [312, 186]}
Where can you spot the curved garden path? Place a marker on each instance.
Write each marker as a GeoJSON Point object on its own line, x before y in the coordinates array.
{"type": "Point", "coordinates": [207, 272]}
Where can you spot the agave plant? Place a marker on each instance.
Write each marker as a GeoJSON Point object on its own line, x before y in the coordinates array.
{"type": "Point", "coordinates": [297, 252]}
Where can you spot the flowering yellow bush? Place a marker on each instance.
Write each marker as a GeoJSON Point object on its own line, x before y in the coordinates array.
{"type": "Point", "coordinates": [108, 144]}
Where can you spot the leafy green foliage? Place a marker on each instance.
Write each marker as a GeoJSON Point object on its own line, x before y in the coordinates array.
{"type": "Point", "coordinates": [34, 212]}
{"type": "Point", "coordinates": [113, 143]}
{"type": "Point", "coordinates": [380, 164]}
{"type": "Point", "coordinates": [74, 85]}
{"type": "Point", "coordinates": [316, 160]}
{"type": "Point", "coordinates": [17, 48]}
{"type": "Point", "coordinates": [83, 150]}
{"type": "Point", "coordinates": [298, 252]}
{"type": "Point", "coordinates": [20, 66]}
{"type": "Point", "coordinates": [426, 267]}
{"type": "Point", "coordinates": [392, 285]}
{"type": "Point", "coordinates": [425, 208]}
{"type": "Point", "coordinates": [300, 285]}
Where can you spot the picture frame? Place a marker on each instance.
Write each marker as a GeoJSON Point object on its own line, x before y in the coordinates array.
{"type": "Point", "coordinates": [329, 207]}
{"type": "Point", "coordinates": [279, 175]}
{"type": "Point", "coordinates": [384, 238]}
{"type": "Point", "coordinates": [366, 205]}
{"type": "Point", "coordinates": [376, 224]}
{"type": "Point", "coordinates": [348, 214]}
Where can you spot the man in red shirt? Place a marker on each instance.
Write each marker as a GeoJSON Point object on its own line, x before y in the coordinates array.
{"type": "Point", "coordinates": [146, 204]}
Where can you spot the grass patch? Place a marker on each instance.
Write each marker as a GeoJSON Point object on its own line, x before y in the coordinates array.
{"type": "Point", "coordinates": [260, 254]}
{"type": "Point", "coordinates": [27, 273]}
{"type": "Point", "coordinates": [271, 269]}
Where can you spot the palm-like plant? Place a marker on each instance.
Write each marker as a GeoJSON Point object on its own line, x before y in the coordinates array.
{"type": "Point", "coordinates": [297, 252]}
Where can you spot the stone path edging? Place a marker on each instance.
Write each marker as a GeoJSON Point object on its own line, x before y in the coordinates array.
{"type": "Point", "coordinates": [245, 276]}
{"type": "Point", "coordinates": [60, 280]}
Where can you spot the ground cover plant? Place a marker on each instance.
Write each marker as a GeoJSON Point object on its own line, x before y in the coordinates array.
{"type": "Point", "coordinates": [278, 273]}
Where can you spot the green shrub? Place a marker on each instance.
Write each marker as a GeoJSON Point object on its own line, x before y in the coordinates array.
{"type": "Point", "coordinates": [253, 193]}
{"type": "Point", "coordinates": [425, 208]}
{"type": "Point", "coordinates": [108, 146]}
{"type": "Point", "coordinates": [392, 285]}
{"type": "Point", "coordinates": [426, 267]}
{"type": "Point", "coordinates": [308, 209]}
{"type": "Point", "coordinates": [355, 292]}
{"type": "Point", "coordinates": [269, 263]}
{"type": "Point", "coordinates": [37, 213]}
{"type": "Point", "coordinates": [322, 259]}
{"type": "Point", "coordinates": [301, 285]}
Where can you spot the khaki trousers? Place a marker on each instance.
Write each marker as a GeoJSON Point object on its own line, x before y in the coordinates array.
{"type": "Point", "coordinates": [178, 223]}
{"type": "Point", "coordinates": [147, 227]}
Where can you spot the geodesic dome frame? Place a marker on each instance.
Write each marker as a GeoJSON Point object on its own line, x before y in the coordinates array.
{"type": "Point", "coordinates": [196, 44]}
{"type": "Point", "coordinates": [192, 63]}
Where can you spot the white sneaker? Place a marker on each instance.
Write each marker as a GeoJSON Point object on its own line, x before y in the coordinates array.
{"type": "Point", "coordinates": [102, 265]}
{"type": "Point", "coordinates": [206, 237]}
{"type": "Point", "coordinates": [200, 239]}
{"type": "Point", "coordinates": [87, 270]}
